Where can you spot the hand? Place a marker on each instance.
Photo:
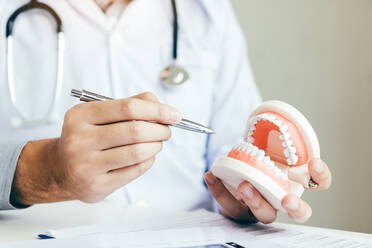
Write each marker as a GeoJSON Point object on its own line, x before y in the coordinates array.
{"type": "Point", "coordinates": [247, 204]}
{"type": "Point", "coordinates": [100, 150]}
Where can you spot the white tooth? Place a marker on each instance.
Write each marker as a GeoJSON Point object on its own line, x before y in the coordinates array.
{"type": "Point", "coordinates": [254, 121]}
{"type": "Point", "coordinates": [271, 118]}
{"type": "Point", "coordinates": [266, 160]}
{"type": "Point", "coordinates": [243, 149]}
{"type": "Point", "coordinates": [251, 124]}
{"type": "Point", "coordinates": [250, 139]}
{"type": "Point", "coordinates": [277, 122]}
{"type": "Point", "coordinates": [295, 159]}
{"type": "Point", "coordinates": [254, 151]}
{"type": "Point", "coordinates": [281, 137]}
{"type": "Point", "coordinates": [260, 155]}
{"type": "Point", "coordinates": [286, 135]}
{"type": "Point", "coordinates": [286, 153]}
{"type": "Point", "coordinates": [251, 127]}
{"type": "Point", "coordinates": [271, 164]}
{"type": "Point", "coordinates": [292, 149]}
{"type": "Point", "coordinates": [264, 116]}
{"type": "Point", "coordinates": [284, 144]}
{"type": "Point", "coordinates": [249, 148]}
{"type": "Point", "coordinates": [283, 128]}
{"type": "Point", "coordinates": [289, 142]}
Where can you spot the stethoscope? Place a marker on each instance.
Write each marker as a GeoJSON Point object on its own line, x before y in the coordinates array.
{"type": "Point", "coordinates": [173, 75]}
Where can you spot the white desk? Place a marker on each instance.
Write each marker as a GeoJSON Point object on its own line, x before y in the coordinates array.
{"type": "Point", "coordinates": [25, 224]}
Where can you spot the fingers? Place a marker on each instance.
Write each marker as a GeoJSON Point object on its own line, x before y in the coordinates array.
{"type": "Point", "coordinates": [119, 157]}
{"type": "Point", "coordinates": [130, 132]}
{"type": "Point", "coordinates": [261, 209]}
{"type": "Point", "coordinates": [120, 177]}
{"type": "Point", "coordinates": [320, 173]}
{"type": "Point", "coordinates": [297, 209]}
{"type": "Point", "coordinates": [229, 204]}
{"type": "Point", "coordinates": [123, 110]}
{"type": "Point", "coordinates": [147, 96]}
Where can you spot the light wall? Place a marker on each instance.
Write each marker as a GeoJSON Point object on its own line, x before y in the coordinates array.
{"type": "Point", "coordinates": [317, 55]}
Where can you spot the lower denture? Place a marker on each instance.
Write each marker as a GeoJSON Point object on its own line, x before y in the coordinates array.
{"type": "Point", "coordinates": [260, 165]}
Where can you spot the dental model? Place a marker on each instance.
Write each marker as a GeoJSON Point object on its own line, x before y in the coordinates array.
{"type": "Point", "coordinates": [278, 145]}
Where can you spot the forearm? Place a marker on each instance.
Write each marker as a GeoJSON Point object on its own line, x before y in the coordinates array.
{"type": "Point", "coordinates": [35, 176]}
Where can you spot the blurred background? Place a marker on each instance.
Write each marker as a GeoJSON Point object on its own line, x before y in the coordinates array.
{"type": "Point", "coordinates": [317, 56]}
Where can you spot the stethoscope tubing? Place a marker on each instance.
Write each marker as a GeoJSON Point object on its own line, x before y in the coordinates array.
{"type": "Point", "coordinates": [33, 4]}
{"type": "Point", "coordinates": [175, 30]}
{"type": "Point", "coordinates": [50, 117]}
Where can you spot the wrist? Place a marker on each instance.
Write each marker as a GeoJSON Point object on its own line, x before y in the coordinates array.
{"type": "Point", "coordinates": [36, 176]}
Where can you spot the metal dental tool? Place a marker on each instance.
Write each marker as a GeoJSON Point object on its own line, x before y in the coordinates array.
{"type": "Point", "coordinates": [87, 96]}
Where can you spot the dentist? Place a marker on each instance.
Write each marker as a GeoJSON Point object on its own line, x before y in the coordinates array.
{"type": "Point", "coordinates": [94, 151]}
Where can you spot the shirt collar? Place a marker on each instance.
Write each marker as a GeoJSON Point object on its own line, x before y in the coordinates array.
{"type": "Point", "coordinates": [90, 10]}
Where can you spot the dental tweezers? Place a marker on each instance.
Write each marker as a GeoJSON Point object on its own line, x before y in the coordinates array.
{"type": "Point", "coordinates": [87, 96]}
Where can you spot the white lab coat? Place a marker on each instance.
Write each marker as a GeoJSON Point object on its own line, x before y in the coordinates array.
{"type": "Point", "coordinates": [125, 60]}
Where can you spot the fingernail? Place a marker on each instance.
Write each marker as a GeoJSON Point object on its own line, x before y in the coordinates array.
{"type": "Point", "coordinates": [210, 178]}
{"type": "Point", "coordinates": [176, 116]}
{"type": "Point", "coordinates": [292, 204]}
{"type": "Point", "coordinates": [318, 167]}
{"type": "Point", "coordinates": [247, 193]}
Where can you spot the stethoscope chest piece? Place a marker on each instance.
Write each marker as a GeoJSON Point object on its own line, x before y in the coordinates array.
{"type": "Point", "coordinates": [174, 75]}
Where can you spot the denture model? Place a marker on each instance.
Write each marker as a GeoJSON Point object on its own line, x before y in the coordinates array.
{"type": "Point", "coordinates": [278, 145]}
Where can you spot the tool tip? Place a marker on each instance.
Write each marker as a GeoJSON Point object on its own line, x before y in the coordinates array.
{"type": "Point", "coordinates": [210, 131]}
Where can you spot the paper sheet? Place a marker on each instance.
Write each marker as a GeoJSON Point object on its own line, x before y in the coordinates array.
{"type": "Point", "coordinates": [299, 236]}
{"type": "Point", "coordinates": [154, 239]}
{"type": "Point", "coordinates": [197, 228]}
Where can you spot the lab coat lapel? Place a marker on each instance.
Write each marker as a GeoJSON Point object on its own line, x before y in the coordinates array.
{"type": "Point", "coordinates": [90, 10]}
